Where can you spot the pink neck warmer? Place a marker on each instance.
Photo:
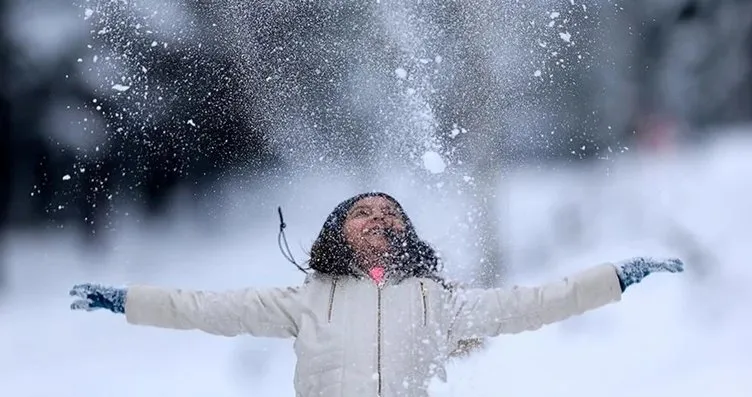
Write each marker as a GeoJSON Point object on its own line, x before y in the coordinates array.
{"type": "Point", "coordinates": [377, 274]}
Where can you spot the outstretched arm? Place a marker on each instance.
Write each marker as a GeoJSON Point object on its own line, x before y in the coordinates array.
{"type": "Point", "coordinates": [491, 312]}
{"type": "Point", "coordinates": [260, 312]}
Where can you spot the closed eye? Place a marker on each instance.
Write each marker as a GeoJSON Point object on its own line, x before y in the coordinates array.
{"type": "Point", "coordinates": [389, 212]}
{"type": "Point", "coordinates": [360, 212]}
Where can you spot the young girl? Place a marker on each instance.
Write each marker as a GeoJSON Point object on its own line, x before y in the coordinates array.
{"type": "Point", "coordinates": [374, 317]}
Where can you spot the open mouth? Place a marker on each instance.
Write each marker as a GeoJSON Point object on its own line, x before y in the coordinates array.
{"type": "Point", "coordinates": [380, 230]}
{"type": "Point", "coordinates": [375, 231]}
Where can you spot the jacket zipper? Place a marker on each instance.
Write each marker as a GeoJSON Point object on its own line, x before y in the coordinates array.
{"type": "Point", "coordinates": [331, 300]}
{"type": "Point", "coordinates": [378, 342]}
{"type": "Point", "coordinates": [424, 294]}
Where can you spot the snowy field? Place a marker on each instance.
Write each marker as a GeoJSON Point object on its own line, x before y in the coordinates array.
{"type": "Point", "coordinates": [685, 335]}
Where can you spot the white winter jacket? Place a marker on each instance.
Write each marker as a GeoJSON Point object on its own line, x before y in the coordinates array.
{"type": "Point", "coordinates": [356, 339]}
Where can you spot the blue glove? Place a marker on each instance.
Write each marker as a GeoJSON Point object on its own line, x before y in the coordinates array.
{"type": "Point", "coordinates": [632, 271]}
{"type": "Point", "coordinates": [95, 296]}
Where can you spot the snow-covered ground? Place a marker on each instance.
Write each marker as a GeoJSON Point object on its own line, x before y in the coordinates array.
{"type": "Point", "coordinates": [673, 335]}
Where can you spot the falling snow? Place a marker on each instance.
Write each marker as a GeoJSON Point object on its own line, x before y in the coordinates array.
{"type": "Point", "coordinates": [407, 104]}
{"type": "Point", "coordinates": [433, 162]}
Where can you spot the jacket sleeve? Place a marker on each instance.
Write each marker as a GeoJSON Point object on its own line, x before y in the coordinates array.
{"type": "Point", "coordinates": [477, 313]}
{"type": "Point", "coordinates": [269, 312]}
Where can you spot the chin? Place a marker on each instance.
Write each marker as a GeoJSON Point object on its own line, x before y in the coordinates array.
{"type": "Point", "coordinates": [378, 246]}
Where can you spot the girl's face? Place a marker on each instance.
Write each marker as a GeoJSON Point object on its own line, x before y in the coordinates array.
{"type": "Point", "coordinates": [366, 224]}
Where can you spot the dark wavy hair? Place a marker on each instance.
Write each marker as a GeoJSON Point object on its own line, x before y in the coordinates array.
{"type": "Point", "coordinates": [332, 255]}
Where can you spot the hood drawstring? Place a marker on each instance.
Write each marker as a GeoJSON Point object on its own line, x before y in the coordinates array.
{"type": "Point", "coordinates": [282, 239]}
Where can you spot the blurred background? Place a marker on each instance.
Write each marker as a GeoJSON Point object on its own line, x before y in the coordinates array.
{"type": "Point", "coordinates": [152, 141]}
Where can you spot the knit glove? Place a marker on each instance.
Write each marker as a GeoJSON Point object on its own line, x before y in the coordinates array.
{"type": "Point", "coordinates": [95, 296]}
{"type": "Point", "coordinates": [632, 271]}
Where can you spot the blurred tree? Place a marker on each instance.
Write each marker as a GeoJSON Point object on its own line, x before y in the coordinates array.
{"type": "Point", "coordinates": [186, 118]}
{"type": "Point", "coordinates": [6, 168]}
{"type": "Point", "coordinates": [657, 48]}
{"type": "Point", "coordinates": [79, 145]}
{"type": "Point", "coordinates": [513, 77]}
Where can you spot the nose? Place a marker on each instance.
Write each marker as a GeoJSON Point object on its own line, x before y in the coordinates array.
{"type": "Point", "coordinates": [379, 219]}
